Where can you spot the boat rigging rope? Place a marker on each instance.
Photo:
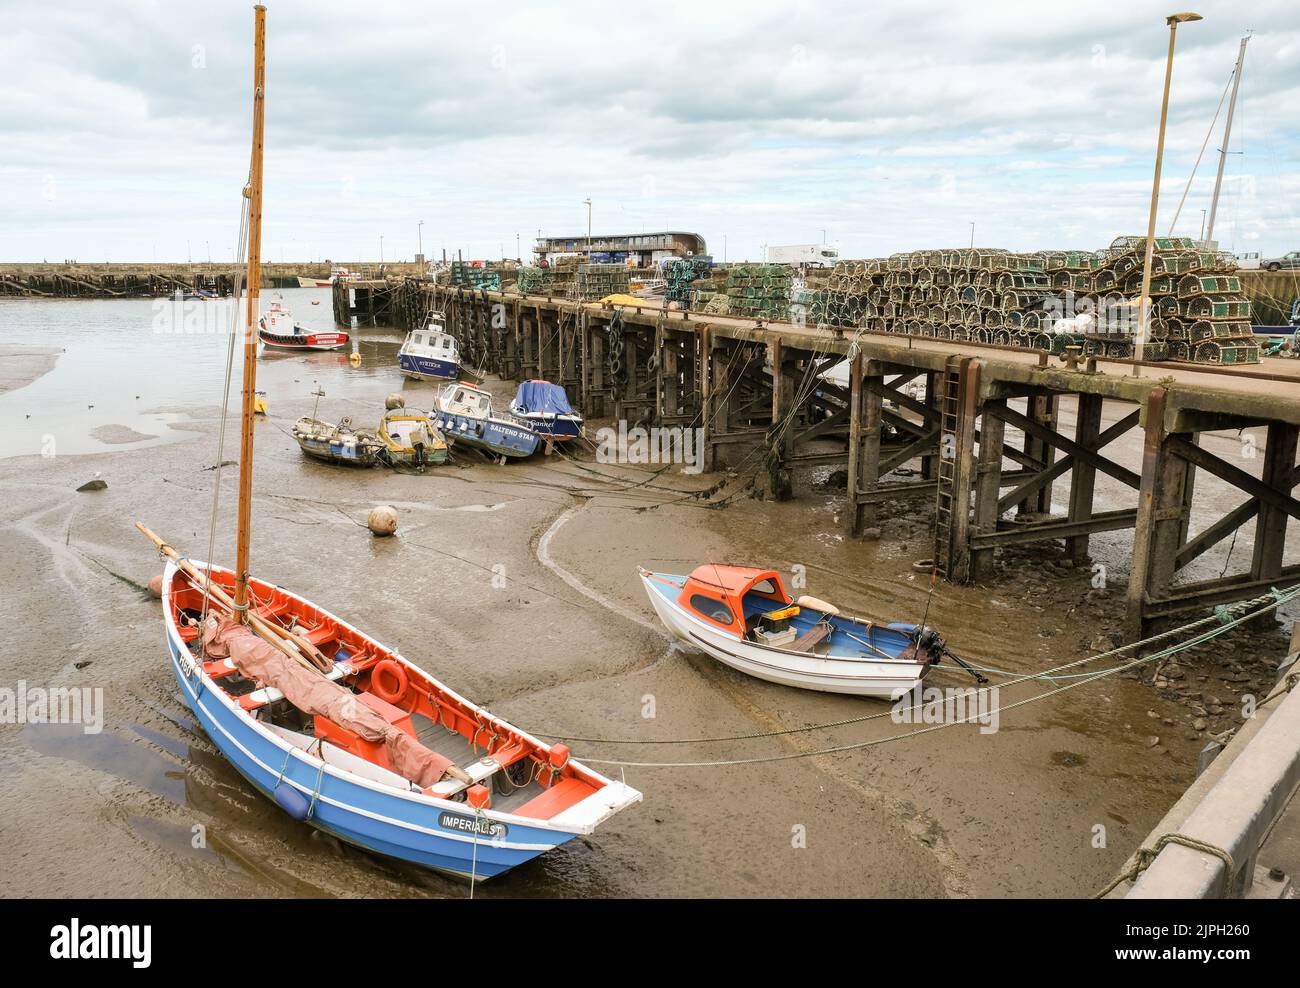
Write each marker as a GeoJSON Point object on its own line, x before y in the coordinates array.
{"type": "Point", "coordinates": [236, 291]}
{"type": "Point", "coordinates": [1276, 598]}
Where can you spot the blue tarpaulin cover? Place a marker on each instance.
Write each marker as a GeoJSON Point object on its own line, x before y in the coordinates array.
{"type": "Point", "coordinates": [544, 397]}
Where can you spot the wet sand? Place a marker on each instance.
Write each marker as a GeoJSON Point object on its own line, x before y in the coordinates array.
{"type": "Point", "coordinates": [21, 365]}
{"type": "Point", "coordinates": [569, 647]}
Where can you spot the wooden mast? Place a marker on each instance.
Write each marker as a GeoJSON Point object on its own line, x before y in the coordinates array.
{"type": "Point", "coordinates": [254, 194]}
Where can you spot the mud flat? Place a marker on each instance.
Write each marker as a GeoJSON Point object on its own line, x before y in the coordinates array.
{"type": "Point", "coordinates": [567, 647]}
{"type": "Point", "coordinates": [21, 365]}
{"type": "Point", "coordinates": [119, 435]}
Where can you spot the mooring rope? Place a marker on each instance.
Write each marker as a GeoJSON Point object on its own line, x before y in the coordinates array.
{"type": "Point", "coordinates": [1269, 602]}
{"type": "Point", "coordinates": [1144, 857]}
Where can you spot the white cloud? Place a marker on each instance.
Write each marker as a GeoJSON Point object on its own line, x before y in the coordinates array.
{"type": "Point", "coordinates": [892, 126]}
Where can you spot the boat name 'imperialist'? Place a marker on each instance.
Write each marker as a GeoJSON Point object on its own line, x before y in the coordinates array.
{"type": "Point", "coordinates": [471, 825]}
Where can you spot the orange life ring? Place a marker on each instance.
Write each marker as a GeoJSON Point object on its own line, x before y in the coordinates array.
{"type": "Point", "coordinates": [393, 669]}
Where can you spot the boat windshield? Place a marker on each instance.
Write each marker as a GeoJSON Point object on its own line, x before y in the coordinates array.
{"type": "Point", "coordinates": [467, 401]}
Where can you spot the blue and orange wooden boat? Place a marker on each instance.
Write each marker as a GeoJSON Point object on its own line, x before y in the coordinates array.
{"type": "Point", "coordinates": [488, 796]}
{"type": "Point", "coordinates": [522, 797]}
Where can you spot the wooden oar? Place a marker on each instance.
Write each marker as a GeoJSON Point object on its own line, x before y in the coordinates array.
{"type": "Point", "coordinates": [286, 641]}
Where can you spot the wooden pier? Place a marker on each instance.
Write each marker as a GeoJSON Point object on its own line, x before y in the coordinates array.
{"type": "Point", "coordinates": [755, 390]}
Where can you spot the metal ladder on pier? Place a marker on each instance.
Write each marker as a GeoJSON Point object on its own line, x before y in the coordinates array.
{"type": "Point", "coordinates": [949, 399]}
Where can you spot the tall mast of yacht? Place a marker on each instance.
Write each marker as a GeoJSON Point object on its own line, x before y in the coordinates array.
{"type": "Point", "coordinates": [1227, 133]}
{"type": "Point", "coordinates": [254, 194]}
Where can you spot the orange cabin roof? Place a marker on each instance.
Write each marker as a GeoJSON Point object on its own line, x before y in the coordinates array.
{"type": "Point", "coordinates": [736, 580]}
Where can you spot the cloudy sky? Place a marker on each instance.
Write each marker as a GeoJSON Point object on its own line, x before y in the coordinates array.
{"type": "Point", "coordinates": [880, 127]}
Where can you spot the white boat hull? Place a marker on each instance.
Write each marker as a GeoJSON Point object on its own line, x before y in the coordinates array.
{"type": "Point", "coordinates": [855, 677]}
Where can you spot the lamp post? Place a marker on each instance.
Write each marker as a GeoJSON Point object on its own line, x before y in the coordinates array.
{"type": "Point", "coordinates": [419, 234]}
{"type": "Point", "coordinates": [588, 204]}
{"type": "Point", "coordinates": [1144, 302]}
{"type": "Point", "coordinates": [381, 248]}
{"type": "Point", "coordinates": [972, 234]}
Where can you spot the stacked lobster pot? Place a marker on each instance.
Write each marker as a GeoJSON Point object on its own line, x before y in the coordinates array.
{"type": "Point", "coordinates": [684, 277]}
{"type": "Point", "coordinates": [852, 295]}
{"type": "Point", "coordinates": [472, 276]}
{"type": "Point", "coordinates": [1198, 310]}
{"type": "Point", "coordinates": [595, 281]}
{"type": "Point", "coordinates": [552, 282]}
{"type": "Point", "coordinates": [1052, 300]}
{"type": "Point", "coordinates": [761, 291]}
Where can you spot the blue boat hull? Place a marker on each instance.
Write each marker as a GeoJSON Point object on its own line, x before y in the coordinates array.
{"type": "Point", "coordinates": [437, 835]}
{"type": "Point", "coordinates": [428, 369]}
{"type": "Point", "coordinates": [556, 428]}
{"type": "Point", "coordinates": [493, 435]}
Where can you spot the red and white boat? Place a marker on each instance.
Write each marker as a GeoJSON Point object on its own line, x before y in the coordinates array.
{"type": "Point", "coordinates": [277, 329]}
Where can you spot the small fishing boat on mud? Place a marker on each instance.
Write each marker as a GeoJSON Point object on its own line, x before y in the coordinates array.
{"type": "Point", "coordinates": [276, 329]}
{"type": "Point", "coordinates": [743, 617]}
{"type": "Point", "coordinates": [337, 443]}
{"type": "Point", "coordinates": [340, 731]}
{"type": "Point", "coordinates": [372, 749]}
{"type": "Point", "coordinates": [545, 408]}
{"type": "Point", "coordinates": [410, 438]}
{"type": "Point", "coordinates": [430, 354]}
{"type": "Point", "coordinates": [464, 414]}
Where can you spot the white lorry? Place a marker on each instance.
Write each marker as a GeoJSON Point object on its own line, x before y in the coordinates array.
{"type": "Point", "coordinates": [808, 255]}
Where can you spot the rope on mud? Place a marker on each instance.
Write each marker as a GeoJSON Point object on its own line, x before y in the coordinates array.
{"type": "Point", "coordinates": [1143, 858]}
{"type": "Point", "coordinates": [1268, 601]}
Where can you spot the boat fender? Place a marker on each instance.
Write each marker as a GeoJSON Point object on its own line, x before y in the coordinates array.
{"type": "Point", "coordinates": [388, 681]}
{"type": "Point", "coordinates": [292, 801]}
{"type": "Point", "coordinates": [478, 797]}
{"type": "Point", "coordinates": [814, 604]}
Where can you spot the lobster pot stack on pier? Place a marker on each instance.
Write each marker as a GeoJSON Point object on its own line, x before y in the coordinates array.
{"type": "Point", "coordinates": [1198, 310]}
{"type": "Point", "coordinates": [553, 282]}
{"type": "Point", "coordinates": [688, 280]}
{"type": "Point", "coordinates": [759, 291]}
{"type": "Point", "coordinates": [851, 297]}
{"type": "Point", "coordinates": [465, 275]}
{"type": "Point", "coordinates": [595, 281]}
{"type": "Point", "coordinates": [1050, 300]}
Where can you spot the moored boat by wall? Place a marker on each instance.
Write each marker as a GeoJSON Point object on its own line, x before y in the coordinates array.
{"type": "Point", "coordinates": [430, 353]}
{"type": "Point", "coordinates": [464, 414]}
{"type": "Point", "coordinates": [545, 408]}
